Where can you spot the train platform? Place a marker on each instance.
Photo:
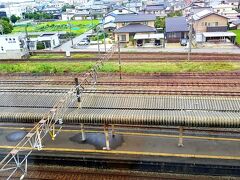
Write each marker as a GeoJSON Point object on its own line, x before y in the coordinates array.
{"type": "Point", "coordinates": [154, 146]}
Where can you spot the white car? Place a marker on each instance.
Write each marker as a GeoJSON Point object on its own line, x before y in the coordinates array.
{"type": "Point", "coordinates": [84, 42]}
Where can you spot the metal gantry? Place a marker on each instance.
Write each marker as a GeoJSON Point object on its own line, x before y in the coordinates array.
{"type": "Point", "coordinates": [17, 159]}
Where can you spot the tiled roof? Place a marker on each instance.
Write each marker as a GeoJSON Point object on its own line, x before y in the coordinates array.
{"type": "Point", "coordinates": [135, 18]}
{"type": "Point", "coordinates": [135, 28]}
{"type": "Point", "coordinates": [203, 14]}
{"type": "Point", "coordinates": [176, 24]}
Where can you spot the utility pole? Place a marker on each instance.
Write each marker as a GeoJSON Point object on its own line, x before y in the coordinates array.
{"type": "Point", "coordinates": [1, 29]}
{"type": "Point", "coordinates": [119, 60]}
{"type": "Point", "coordinates": [98, 42]}
{"type": "Point", "coordinates": [27, 37]}
{"type": "Point", "coordinates": [70, 30]}
{"type": "Point", "coordinates": [190, 33]}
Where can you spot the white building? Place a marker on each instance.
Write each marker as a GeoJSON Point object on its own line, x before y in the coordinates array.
{"type": "Point", "coordinates": [18, 8]}
{"type": "Point", "coordinates": [13, 46]}
{"type": "Point", "coordinates": [50, 41]}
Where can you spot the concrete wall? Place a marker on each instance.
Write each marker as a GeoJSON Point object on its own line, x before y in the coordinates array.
{"type": "Point", "coordinates": [201, 25]}
{"type": "Point", "coordinates": [13, 54]}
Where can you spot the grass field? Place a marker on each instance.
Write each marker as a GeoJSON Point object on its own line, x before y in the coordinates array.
{"type": "Point", "coordinates": [78, 27]}
{"type": "Point", "coordinates": [65, 67]}
{"type": "Point", "coordinates": [237, 32]}
{"type": "Point", "coordinates": [55, 56]}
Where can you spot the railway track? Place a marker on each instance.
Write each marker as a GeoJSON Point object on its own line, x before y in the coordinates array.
{"type": "Point", "coordinates": [121, 83]}
{"type": "Point", "coordinates": [129, 91]}
{"type": "Point", "coordinates": [55, 172]}
{"type": "Point", "coordinates": [190, 75]}
{"type": "Point", "coordinates": [150, 57]}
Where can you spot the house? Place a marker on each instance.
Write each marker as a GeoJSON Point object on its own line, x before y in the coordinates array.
{"type": "Point", "coordinates": [134, 6]}
{"type": "Point", "coordinates": [13, 46]}
{"type": "Point", "coordinates": [236, 24]}
{"type": "Point", "coordinates": [67, 16]}
{"type": "Point", "coordinates": [133, 27]}
{"type": "Point", "coordinates": [209, 21]}
{"type": "Point", "coordinates": [211, 27]}
{"type": "Point", "coordinates": [176, 29]}
{"type": "Point", "coordinates": [81, 15]}
{"type": "Point", "coordinates": [109, 19]}
{"type": "Point", "coordinates": [158, 10]}
{"type": "Point", "coordinates": [99, 11]}
{"type": "Point", "coordinates": [228, 11]}
{"type": "Point", "coordinates": [235, 3]}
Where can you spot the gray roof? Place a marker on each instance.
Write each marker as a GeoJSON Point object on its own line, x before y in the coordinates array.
{"type": "Point", "coordinates": [237, 22]}
{"type": "Point", "coordinates": [135, 28]}
{"type": "Point", "coordinates": [154, 8]}
{"type": "Point", "coordinates": [176, 24]}
{"type": "Point", "coordinates": [135, 18]}
{"type": "Point", "coordinates": [125, 109]}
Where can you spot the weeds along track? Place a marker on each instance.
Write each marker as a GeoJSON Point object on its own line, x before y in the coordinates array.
{"type": "Point", "coordinates": [146, 57]}
{"type": "Point", "coordinates": [120, 83]}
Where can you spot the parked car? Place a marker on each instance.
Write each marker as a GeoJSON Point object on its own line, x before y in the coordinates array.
{"type": "Point", "coordinates": [84, 42]}
{"type": "Point", "coordinates": [139, 42]}
{"type": "Point", "coordinates": [157, 42]}
{"type": "Point", "coordinates": [183, 42]}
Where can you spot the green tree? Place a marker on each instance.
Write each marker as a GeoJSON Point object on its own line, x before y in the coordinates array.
{"type": "Point", "coordinates": [175, 13]}
{"type": "Point", "coordinates": [7, 27]}
{"type": "Point", "coordinates": [13, 19]}
{"type": "Point", "coordinates": [160, 22]}
{"type": "Point", "coordinates": [6, 19]}
{"type": "Point", "coordinates": [67, 6]}
{"type": "Point", "coordinates": [38, 15]}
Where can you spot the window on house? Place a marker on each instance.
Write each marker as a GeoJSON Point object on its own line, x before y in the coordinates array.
{"type": "Point", "coordinates": [202, 23]}
{"type": "Point", "coordinates": [2, 48]}
{"type": "Point", "coordinates": [123, 38]}
{"type": "Point", "coordinates": [216, 23]}
{"type": "Point", "coordinates": [205, 23]}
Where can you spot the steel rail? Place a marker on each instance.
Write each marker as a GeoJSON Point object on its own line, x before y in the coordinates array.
{"type": "Point", "coordinates": [128, 91]}
{"type": "Point", "coordinates": [128, 83]}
